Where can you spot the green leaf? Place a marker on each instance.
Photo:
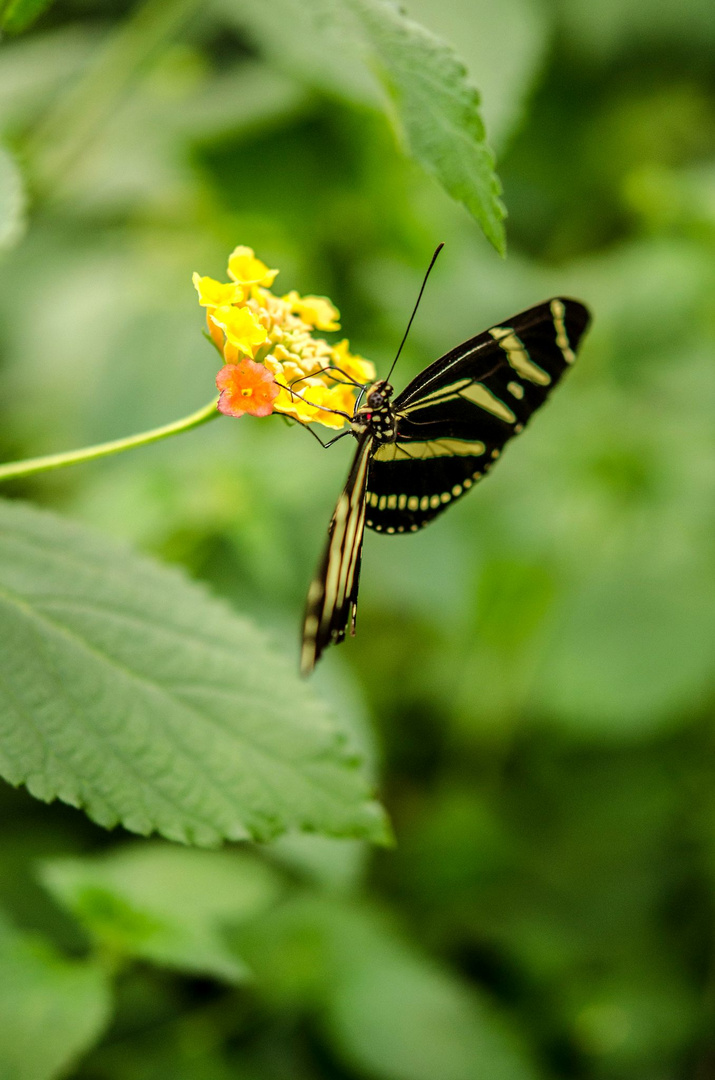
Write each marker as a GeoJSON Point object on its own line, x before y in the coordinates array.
{"type": "Point", "coordinates": [390, 1011]}
{"type": "Point", "coordinates": [438, 109]}
{"type": "Point", "coordinates": [18, 15]}
{"type": "Point", "coordinates": [128, 691]}
{"type": "Point", "coordinates": [52, 1009]}
{"type": "Point", "coordinates": [12, 201]}
{"type": "Point", "coordinates": [165, 904]}
{"type": "Point", "coordinates": [432, 101]}
{"type": "Point", "coordinates": [505, 76]}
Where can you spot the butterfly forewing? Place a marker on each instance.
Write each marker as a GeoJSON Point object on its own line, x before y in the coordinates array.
{"type": "Point", "coordinates": [454, 419]}
{"type": "Point", "coordinates": [452, 423]}
{"type": "Point", "coordinates": [332, 597]}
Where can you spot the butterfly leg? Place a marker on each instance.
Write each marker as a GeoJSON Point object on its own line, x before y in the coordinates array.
{"type": "Point", "coordinates": [330, 442]}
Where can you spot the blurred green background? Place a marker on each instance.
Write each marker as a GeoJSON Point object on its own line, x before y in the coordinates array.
{"type": "Point", "coordinates": [534, 672]}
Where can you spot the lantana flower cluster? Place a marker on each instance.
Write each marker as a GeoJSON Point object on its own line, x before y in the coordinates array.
{"type": "Point", "coordinates": [272, 360]}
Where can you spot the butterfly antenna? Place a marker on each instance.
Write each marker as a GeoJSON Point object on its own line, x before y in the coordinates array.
{"type": "Point", "coordinates": [414, 311]}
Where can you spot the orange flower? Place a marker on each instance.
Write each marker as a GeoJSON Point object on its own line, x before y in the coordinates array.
{"type": "Point", "coordinates": [246, 387]}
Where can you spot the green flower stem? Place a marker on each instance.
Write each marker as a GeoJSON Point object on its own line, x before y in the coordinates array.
{"type": "Point", "coordinates": [116, 446]}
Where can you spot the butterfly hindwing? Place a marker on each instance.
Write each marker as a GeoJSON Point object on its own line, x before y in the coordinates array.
{"type": "Point", "coordinates": [332, 597]}
{"type": "Point", "coordinates": [407, 493]}
{"type": "Point", "coordinates": [454, 419]}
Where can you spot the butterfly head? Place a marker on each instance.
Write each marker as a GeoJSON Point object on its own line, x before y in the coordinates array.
{"type": "Point", "coordinates": [379, 394]}
{"type": "Point", "coordinates": [376, 414]}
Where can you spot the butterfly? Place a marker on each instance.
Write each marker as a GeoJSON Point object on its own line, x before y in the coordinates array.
{"type": "Point", "coordinates": [419, 452]}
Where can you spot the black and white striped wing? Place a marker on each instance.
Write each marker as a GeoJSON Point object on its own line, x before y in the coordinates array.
{"type": "Point", "coordinates": [454, 419]}
{"type": "Point", "coordinates": [332, 597]}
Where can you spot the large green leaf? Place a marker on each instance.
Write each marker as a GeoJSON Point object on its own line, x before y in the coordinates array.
{"type": "Point", "coordinates": [52, 1009]}
{"type": "Point", "coordinates": [164, 903]}
{"type": "Point", "coordinates": [12, 201]}
{"type": "Point", "coordinates": [126, 690]}
{"type": "Point", "coordinates": [434, 104]}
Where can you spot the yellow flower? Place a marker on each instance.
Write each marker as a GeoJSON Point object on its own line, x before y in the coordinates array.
{"type": "Point", "coordinates": [293, 403]}
{"type": "Point", "coordinates": [304, 402]}
{"type": "Point", "coordinates": [359, 369]}
{"type": "Point", "coordinates": [246, 269]}
{"type": "Point", "coordinates": [288, 370]}
{"type": "Point", "coordinates": [341, 398]}
{"type": "Point", "coordinates": [317, 311]}
{"type": "Point", "coordinates": [241, 327]}
{"type": "Point", "coordinates": [215, 332]}
{"type": "Point", "coordinates": [215, 293]}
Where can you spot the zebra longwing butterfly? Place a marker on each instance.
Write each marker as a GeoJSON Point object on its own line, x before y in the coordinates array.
{"type": "Point", "coordinates": [426, 448]}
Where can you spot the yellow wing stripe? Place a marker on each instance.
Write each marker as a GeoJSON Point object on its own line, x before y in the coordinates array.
{"type": "Point", "coordinates": [353, 531]}
{"type": "Point", "coordinates": [336, 579]}
{"type": "Point", "coordinates": [476, 392]}
{"type": "Point", "coordinates": [485, 399]}
{"type": "Point", "coordinates": [437, 397]}
{"type": "Point", "coordinates": [518, 357]}
{"type": "Point", "coordinates": [410, 451]}
{"type": "Point", "coordinates": [558, 312]}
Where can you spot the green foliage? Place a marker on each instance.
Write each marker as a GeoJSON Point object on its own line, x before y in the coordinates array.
{"type": "Point", "coordinates": [389, 1011]}
{"type": "Point", "coordinates": [505, 77]}
{"type": "Point", "coordinates": [655, 638]}
{"type": "Point", "coordinates": [166, 905]}
{"type": "Point", "coordinates": [127, 691]}
{"type": "Point", "coordinates": [12, 201]}
{"type": "Point", "coordinates": [19, 15]}
{"type": "Point", "coordinates": [52, 1009]}
{"type": "Point", "coordinates": [435, 105]}
{"type": "Point", "coordinates": [438, 109]}
{"type": "Point", "coordinates": [614, 27]}
{"type": "Point", "coordinates": [531, 685]}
